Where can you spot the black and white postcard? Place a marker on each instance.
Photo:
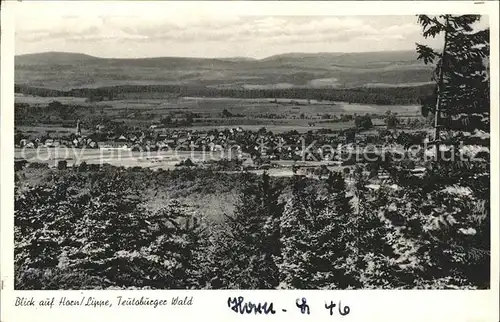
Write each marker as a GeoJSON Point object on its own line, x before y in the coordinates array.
{"type": "Point", "coordinates": [225, 157]}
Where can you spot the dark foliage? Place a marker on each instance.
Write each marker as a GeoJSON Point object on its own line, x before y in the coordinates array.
{"type": "Point", "coordinates": [461, 73]}
{"type": "Point", "coordinates": [368, 95]}
{"type": "Point", "coordinates": [83, 239]}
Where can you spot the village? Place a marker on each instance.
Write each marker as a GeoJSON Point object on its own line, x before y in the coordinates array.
{"type": "Point", "coordinates": [278, 146]}
{"type": "Point", "coordinates": [314, 153]}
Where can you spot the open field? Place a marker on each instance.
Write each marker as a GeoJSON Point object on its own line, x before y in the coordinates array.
{"type": "Point", "coordinates": [212, 106]}
{"type": "Point", "coordinates": [209, 105]}
{"type": "Point", "coordinates": [125, 158]}
{"type": "Point", "coordinates": [31, 99]}
{"type": "Point", "coordinates": [280, 115]}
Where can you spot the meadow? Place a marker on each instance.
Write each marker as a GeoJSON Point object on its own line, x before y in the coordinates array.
{"type": "Point", "coordinates": [251, 107]}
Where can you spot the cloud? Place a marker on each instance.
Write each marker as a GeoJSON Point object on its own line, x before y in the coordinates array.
{"type": "Point", "coordinates": [165, 32]}
{"type": "Point", "coordinates": [229, 29]}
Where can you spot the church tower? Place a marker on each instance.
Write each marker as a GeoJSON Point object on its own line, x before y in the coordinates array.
{"type": "Point", "coordinates": [78, 128]}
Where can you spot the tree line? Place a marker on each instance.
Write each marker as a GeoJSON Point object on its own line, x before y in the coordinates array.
{"type": "Point", "coordinates": [368, 95]}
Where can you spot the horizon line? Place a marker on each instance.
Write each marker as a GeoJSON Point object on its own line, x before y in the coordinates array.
{"type": "Point", "coordinates": [221, 57]}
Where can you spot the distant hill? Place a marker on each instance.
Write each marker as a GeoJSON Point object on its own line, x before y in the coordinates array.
{"type": "Point", "coordinates": [352, 59]}
{"type": "Point", "coordinates": [239, 59]}
{"type": "Point", "coordinates": [64, 71]}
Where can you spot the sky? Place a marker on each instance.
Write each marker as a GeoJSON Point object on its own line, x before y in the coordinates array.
{"type": "Point", "coordinates": [159, 29]}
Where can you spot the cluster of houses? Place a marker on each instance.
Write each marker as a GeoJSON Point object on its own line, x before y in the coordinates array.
{"type": "Point", "coordinates": [74, 140]}
{"type": "Point", "coordinates": [264, 149]}
{"type": "Point", "coordinates": [262, 145]}
{"type": "Point", "coordinates": [54, 143]}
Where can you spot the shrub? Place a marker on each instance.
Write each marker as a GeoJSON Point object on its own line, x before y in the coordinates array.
{"type": "Point", "coordinates": [62, 165]}
{"type": "Point", "coordinates": [83, 167]}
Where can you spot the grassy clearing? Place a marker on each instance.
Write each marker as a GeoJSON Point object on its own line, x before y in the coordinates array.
{"type": "Point", "coordinates": [213, 106]}
{"type": "Point", "coordinates": [30, 99]}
